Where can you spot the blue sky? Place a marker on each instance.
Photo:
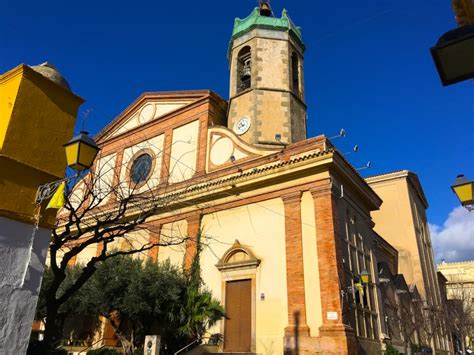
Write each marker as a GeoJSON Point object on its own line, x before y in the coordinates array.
{"type": "Point", "coordinates": [367, 69]}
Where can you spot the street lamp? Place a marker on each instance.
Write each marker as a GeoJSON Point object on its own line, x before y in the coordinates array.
{"type": "Point", "coordinates": [464, 190]}
{"type": "Point", "coordinates": [81, 151]}
{"type": "Point", "coordinates": [359, 286]}
{"type": "Point", "coordinates": [365, 276]}
{"type": "Point", "coordinates": [453, 55]}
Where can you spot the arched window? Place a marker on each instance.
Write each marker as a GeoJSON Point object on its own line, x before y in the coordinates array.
{"type": "Point", "coordinates": [244, 69]}
{"type": "Point", "coordinates": [295, 72]}
{"type": "Point", "coordinates": [237, 257]}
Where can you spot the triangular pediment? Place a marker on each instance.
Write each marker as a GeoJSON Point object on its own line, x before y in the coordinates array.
{"type": "Point", "coordinates": [149, 107]}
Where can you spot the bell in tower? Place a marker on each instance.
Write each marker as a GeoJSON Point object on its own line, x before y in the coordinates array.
{"type": "Point", "coordinates": [266, 95]}
{"type": "Point", "coordinates": [265, 9]}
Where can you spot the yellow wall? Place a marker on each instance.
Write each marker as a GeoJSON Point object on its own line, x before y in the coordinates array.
{"type": "Point", "coordinates": [37, 118]}
{"type": "Point", "coordinates": [402, 222]}
{"type": "Point", "coordinates": [311, 269]}
{"type": "Point", "coordinates": [42, 120]}
{"type": "Point", "coordinates": [9, 85]}
{"type": "Point", "coordinates": [149, 111]}
{"type": "Point", "coordinates": [261, 228]}
{"type": "Point", "coordinates": [105, 169]}
{"type": "Point", "coordinates": [169, 232]}
{"type": "Point", "coordinates": [395, 224]}
{"type": "Point", "coordinates": [184, 152]}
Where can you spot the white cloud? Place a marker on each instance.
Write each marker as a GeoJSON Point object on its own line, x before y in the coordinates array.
{"type": "Point", "coordinates": [454, 240]}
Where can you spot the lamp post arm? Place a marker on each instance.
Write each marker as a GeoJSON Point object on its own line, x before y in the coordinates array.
{"type": "Point", "coordinates": [46, 191]}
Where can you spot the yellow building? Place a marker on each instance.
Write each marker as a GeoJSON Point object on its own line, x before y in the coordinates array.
{"type": "Point", "coordinates": [37, 116]}
{"type": "Point", "coordinates": [460, 287]}
{"type": "Point", "coordinates": [288, 222]}
{"type": "Point", "coordinates": [402, 221]}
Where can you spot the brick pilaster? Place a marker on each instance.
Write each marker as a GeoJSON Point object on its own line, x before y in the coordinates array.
{"type": "Point", "coordinates": [334, 333]}
{"type": "Point", "coordinates": [194, 225]}
{"type": "Point", "coordinates": [117, 169]}
{"type": "Point", "coordinates": [100, 247]}
{"type": "Point", "coordinates": [294, 266]}
{"type": "Point", "coordinates": [72, 261]}
{"type": "Point", "coordinates": [202, 147]}
{"type": "Point", "coordinates": [166, 157]}
{"type": "Point", "coordinates": [155, 232]}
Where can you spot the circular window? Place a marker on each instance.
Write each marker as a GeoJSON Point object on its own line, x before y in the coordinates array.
{"type": "Point", "coordinates": [141, 168]}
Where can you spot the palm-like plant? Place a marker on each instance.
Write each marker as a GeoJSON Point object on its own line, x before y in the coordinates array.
{"type": "Point", "coordinates": [199, 312]}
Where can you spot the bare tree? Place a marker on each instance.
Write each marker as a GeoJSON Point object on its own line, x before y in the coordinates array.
{"type": "Point", "coordinates": [409, 316]}
{"type": "Point", "coordinates": [433, 323]}
{"type": "Point", "coordinates": [101, 210]}
{"type": "Point", "coordinates": [460, 309]}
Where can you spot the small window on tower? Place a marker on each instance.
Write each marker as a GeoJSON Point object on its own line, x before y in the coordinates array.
{"type": "Point", "coordinates": [295, 72]}
{"type": "Point", "coordinates": [244, 69]}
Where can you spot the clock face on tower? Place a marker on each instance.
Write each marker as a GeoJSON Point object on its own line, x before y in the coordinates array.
{"type": "Point", "coordinates": [242, 125]}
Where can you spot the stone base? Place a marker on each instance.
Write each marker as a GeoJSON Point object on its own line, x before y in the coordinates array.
{"type": "Point", "coordinates": [22, 258]}
{"type": "Point", "coordinates": [335, 339]}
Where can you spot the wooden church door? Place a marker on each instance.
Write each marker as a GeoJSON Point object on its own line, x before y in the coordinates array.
{"type": "Point", "coordinates": [238, 324]}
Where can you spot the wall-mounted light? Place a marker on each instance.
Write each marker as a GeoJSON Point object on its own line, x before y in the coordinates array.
{"type": "Point", "coordinates": [81, 151]}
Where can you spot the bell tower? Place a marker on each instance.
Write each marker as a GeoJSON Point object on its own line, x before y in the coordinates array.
{"type": "Point", "coordinates": [266, 96]}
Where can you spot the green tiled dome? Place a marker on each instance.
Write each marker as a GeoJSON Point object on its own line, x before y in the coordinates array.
{"type": "Point", "coordinates": [255, 20]}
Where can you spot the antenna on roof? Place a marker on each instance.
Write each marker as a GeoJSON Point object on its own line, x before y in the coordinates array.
{"type": "Point", "coordinates": [232, 159]}
{"type": "Point", "coordinates": [354, 150]}
{"type": "Point", "coordinates": [342, 133]}
{"type": "Point", "coordinates": [368, 165]}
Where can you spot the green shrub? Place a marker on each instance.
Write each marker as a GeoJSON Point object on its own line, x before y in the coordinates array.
{"type": "Point", "coordinates": [37, 347]}
{"type": "Point", "coordinates": [391, 350]}
{"type": "Point", "coordinates": [104, 351]}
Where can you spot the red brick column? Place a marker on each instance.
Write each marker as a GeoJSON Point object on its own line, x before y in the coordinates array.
{"type": "Point", "coordinates": [100, 247]}
{"type": "Point", "coordinates": [72, 261]}
{"type": "Point", "coordinates": [336, 336]}
{"type": "Point", "coordinates": [294, 266]}
{"type": "Point", "coordinates": [166, 157]}
{"type": "Point", "coordinates": [202, 147]}
{"type": "Point", "coordinates": [117, 169]}
{"type": "Point", "coordinates": [155, 232]}
{"type": "Point", "coordinates": [194, 225]}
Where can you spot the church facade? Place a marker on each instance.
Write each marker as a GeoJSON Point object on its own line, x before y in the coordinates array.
{"type": "Point", "coordinates": [286, 222]}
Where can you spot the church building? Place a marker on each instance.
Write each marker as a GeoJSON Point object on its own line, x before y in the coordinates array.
{"type": "Point", "coordinates": [288, 225]}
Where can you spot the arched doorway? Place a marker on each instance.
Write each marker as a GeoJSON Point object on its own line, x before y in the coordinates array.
{"type": "Point", "coordinates": [238, 267]}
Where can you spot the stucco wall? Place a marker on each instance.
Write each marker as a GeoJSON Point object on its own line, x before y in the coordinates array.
{"type": "Point", "coordinates": [260, 227]}
{"type": "Point", "coordinates": [394, 223]}
{"type": "Point", "coordinates": [148, 112]}
{"type": "Point", "coordinates": [311, 269]}
{"type": "Point", "coordinates": [104, 172]}
{"type": "Point", "coordinates": [169, 232]}
{"type": "Point", "coordinates": [22, 257]}
{"type": "Point", "coordinates": [184, 152]}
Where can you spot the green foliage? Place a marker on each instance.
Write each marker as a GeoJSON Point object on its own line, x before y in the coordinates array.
{"type": "Point", "coordinates": [194, 275]}
{"type": "Point", "coordinates": [104, 351]}
{"type": "Point", "coordinates": [73, 305]}
{"type": "Point", "coordinates": [37, 347]}
{"type": "Point", "coordinates": [199, 312]}
{"type": "Point", "coordinates": [143, 295]}
{"type": "Point", "coordinates": [391, 350]}
{"type": "Point", "coordinates": [141, 298]}
{"type": "Point", "coordinates": [150, 298]}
